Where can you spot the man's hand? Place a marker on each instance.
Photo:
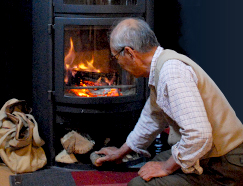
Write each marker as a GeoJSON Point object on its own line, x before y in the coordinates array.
{"type": "Point", "coordinates": [113, 154]}
{"type": "Point", "coordinates": [156, 169]}
{"type": "Point", "coordinates": [152, 169]}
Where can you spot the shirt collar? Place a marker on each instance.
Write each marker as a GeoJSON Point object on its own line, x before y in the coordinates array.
{"type": "Point", "coordinates": [157, 53]}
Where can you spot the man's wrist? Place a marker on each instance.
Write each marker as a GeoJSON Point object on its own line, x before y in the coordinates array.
{"type": "Point", "coordinates": [124, 150]}
{"type": "Point", "coordinates": [171, 165]}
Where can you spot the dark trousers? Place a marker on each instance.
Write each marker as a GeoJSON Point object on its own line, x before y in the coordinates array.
{"type": "Point", "coordinates": [224, 170]}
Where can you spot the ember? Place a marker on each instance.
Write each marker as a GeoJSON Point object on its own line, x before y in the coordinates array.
{"type": "Point", "coordinates": [111, 92]}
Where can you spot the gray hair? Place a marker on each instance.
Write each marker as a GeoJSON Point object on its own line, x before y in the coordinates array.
{"type": "Point", "coordinates": [134, 33]}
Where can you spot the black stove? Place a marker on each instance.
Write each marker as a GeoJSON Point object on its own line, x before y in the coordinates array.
{"type": "Point", "coordinates": [76, 84]}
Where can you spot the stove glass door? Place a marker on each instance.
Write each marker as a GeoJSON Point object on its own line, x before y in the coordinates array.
{"type": "Point", "coordinates": [89, 68]}
{"type": "Point", "coordinates": [84, 72]}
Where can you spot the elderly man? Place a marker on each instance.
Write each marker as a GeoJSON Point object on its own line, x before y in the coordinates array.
{"type": "Point", "coordinates": [205, 134]}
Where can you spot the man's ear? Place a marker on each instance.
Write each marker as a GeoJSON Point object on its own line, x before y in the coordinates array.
{"type": "Point", "coordinates": [130, 52]}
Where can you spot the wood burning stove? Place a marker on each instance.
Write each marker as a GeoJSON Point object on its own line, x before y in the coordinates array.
{"type": "Point", "coordinates": [76, 84]}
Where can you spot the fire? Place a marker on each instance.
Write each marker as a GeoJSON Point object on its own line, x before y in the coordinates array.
{"type": "Point", "coordinates": [113, 92]}
{"type": "Point", "coordinates": [96, 92]}
{"type": "Point", "coordinates": [74, 63]}
{"type": "Point", "coordinates": [82, 92]}
{"type": "Point", "coordinates": [87, 66]}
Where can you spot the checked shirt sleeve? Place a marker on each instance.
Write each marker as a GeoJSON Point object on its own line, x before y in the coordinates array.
{"type": "Point", "coordinates": [145, 131]}
{"type": "Point", "coordinates": [179, 97]}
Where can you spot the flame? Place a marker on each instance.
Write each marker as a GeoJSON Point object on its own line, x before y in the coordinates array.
{"type": "Point", "coordinates": [69, 58]}
{"type": "Point", "coordinates": [82, 92]}
{"type": "Point", "coordinates": [86, 65]}
{"type": "Point", "coordinates": [113, 92]}
{"type": "Point", "coordinates": [73, 64]}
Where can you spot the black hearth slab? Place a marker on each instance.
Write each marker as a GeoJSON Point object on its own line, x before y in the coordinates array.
{"type": "Point", "coordinates": [50, 177]}
{"type": "Point", "coordinates": [134, 165]}
{"type": "Point", "coordinates": [74, 166]}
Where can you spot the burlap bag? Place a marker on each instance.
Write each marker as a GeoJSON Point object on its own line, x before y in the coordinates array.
{"type": "Point", "coordinates": [20, 143]}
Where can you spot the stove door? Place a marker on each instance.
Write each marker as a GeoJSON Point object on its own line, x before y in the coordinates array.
{"type": "Point", "coordinates": [85, 73]}
{"type": "Point", "coordinates": [99, 6]}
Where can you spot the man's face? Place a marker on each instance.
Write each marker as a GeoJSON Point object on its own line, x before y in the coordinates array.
{"type": "Point", "coordinates": [129, 62]}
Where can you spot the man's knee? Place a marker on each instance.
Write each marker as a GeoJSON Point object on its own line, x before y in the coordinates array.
{"type": "Point", "coordinates": [175, 180]}
{"type": "Point", "coordinates": [138, 181]}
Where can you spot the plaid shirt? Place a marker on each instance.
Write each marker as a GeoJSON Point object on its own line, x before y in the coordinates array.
{"type": "Point", "coordinates": [179, 97]}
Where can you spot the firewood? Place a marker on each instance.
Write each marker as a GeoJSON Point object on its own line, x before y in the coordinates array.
{"type": "Point", "coordinates": [75, 143]}
{"type": "Point", "coordinates": [127, 158]}
{"type": "Point", "coordinates": [64, 157]}
{"type": "Point", "coordinates": [94, 157]}
{"type": "Point", "coordinates": [68, 142]}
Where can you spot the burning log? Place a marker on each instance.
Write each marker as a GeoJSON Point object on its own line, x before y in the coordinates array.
{"type": "Point", "coordinates": [80, 78]}
{"type": "Point", "coordinates": [93, 84]}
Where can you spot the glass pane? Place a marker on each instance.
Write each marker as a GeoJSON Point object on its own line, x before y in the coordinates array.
{"type": "Point", "coordinates": [101, 2]}
{"type": "Point", "coordinates": [89, 70]}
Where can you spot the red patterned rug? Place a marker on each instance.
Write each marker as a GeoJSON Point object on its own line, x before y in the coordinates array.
{"type": "Point", "coordinates": [102, 178]}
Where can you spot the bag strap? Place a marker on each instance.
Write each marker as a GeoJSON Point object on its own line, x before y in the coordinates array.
{"type": "Point", "coordinates": [33, 136]}
{"type": "Point", "coordinates": [18, 120]}
{"type": "Point", "coordinates": [9, 121]}
{"type": "Point", "coordinates": [37, 141]}
{"type": "Point", "coordinates": [18, 141]}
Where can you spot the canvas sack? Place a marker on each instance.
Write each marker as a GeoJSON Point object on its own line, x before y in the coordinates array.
{"type": "Point", "coordinates": [20, 143]}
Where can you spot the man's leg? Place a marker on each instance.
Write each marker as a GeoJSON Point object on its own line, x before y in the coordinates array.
{"type": "Point", "coordinates": [171, 180]}
{"type": "Point", "coordinates": [174, 179]}
{"type": "Point", "coordinates": [224, 170]}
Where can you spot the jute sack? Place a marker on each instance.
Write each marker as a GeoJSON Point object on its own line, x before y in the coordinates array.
{"type": "Point", "coordinates": [20, 143]}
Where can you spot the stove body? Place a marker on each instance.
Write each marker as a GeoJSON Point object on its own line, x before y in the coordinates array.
{"type": "Point", "coordinates": [76, 85]}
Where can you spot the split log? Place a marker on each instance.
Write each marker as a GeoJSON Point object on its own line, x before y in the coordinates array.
{"type": "Point", "coordinates": [94, 157]}
{"type": "Point", "coordinates": [75, 143]}
{"type": "Point", "coordinates": [64, 157]}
